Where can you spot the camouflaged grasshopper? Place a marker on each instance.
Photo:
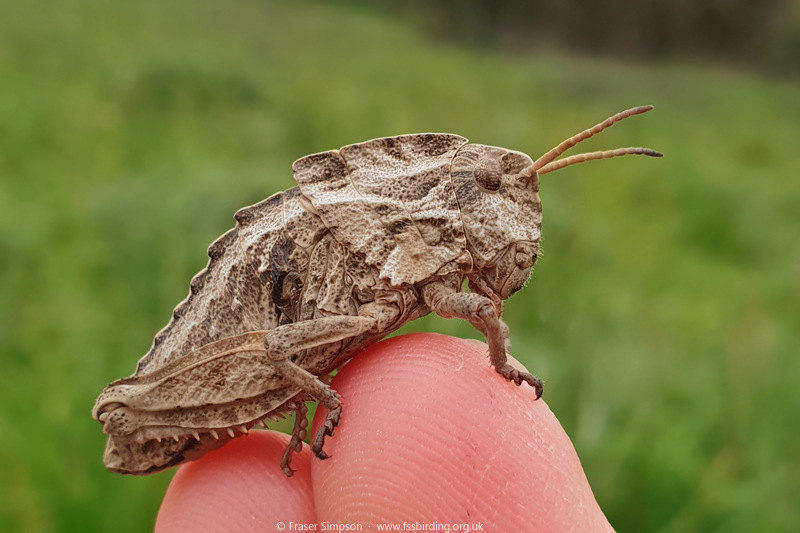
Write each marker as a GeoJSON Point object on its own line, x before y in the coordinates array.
{"type": "Point", "coordinates": [375, 235]}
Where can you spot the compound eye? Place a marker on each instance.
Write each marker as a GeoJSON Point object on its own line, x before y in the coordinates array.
{"type": "Point", "coordinates": [488, 175]}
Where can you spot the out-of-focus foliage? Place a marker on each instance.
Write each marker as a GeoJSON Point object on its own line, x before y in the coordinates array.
{"type": "Point", "coordinates": [761, 33]}
{"type": "Point", "coordinates": [663, 314]}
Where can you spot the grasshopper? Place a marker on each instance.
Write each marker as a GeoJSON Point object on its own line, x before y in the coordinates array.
{"type": "Point", "coordinates": [374, 235]}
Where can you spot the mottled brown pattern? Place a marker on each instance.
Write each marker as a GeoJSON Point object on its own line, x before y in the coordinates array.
{"type": "Point", "coordinates": [208, 315]}
{"type": "Point", "coordinates": [375, 235]}
{"type": "Point", "coordinates": [495, 219]}
{"type": "Point", "coordinates": [374, 193]}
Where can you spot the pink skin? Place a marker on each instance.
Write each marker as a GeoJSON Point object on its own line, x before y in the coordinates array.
{"type": "Point", "coordinates": [429, 433]}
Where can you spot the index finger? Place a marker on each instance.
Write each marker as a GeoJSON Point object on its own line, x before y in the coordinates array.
{"type": "Point", "coordinates": [431, 433]}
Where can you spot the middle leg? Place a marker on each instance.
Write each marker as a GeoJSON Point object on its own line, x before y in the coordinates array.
{"type": "Point", "coordinates": [290, 339]}
{"type": "Point", "coordinates": [298, 436]}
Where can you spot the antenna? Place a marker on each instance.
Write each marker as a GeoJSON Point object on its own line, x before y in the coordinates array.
{"type": "Point", "coordinates": [547, 162]}
{"type": "Point", "coordinates": [607, 154]}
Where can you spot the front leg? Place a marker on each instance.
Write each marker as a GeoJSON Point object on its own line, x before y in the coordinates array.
{"type": "Point", "coordinates": [480, 311]}
{"type": "Point", "coordinates": [291, 339]}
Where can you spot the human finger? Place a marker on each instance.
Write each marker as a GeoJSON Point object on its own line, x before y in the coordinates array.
{"type": "Point", "coordinates": [240, 488]}
{"type": "Point", "coordinates": [431, 433]}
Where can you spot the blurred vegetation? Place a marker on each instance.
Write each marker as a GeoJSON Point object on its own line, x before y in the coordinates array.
{"type": "Point", "coordinates": [764, 34]}
{"type": "Point", "coordinates": [663, 315]}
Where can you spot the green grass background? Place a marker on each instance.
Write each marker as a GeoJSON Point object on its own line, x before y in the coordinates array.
{"type": "Point", "coordinates": [663, 314]}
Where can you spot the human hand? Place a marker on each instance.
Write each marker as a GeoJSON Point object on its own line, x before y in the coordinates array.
{"type": "Point", "coordinates": [429, 433]}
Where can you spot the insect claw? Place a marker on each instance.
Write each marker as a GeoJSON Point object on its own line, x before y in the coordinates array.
{"type": "Point", "coordinates": [230, 432]}
{"type": "Point", "coordinates": [215, 434]}
{"type": "Point", "coordinates": [321, 455]}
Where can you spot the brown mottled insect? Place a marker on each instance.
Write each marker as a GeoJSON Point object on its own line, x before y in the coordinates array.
{"type": "Point", "coordinates": [375, 235]}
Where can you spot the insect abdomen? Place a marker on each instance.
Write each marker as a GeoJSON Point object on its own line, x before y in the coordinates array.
{"type": "Point", "coordinates": [236, 293]}
{"type": "Point", "coordinates": [261, 274]}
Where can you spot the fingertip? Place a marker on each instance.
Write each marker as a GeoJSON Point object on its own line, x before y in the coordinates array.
{"type": "Point", "coordinates": [431, 432]}
{"type": "Point", "coordinates": [239, 487]}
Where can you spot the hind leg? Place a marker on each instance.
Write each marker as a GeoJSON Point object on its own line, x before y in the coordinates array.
{"type": "Point", "coordinates": [291, 339]}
